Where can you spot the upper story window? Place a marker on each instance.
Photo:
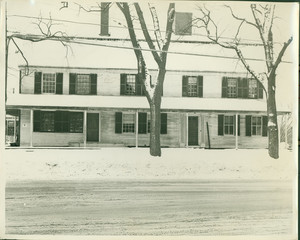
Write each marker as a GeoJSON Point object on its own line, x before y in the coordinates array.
{"type": "Point", "coordinates": [50, 83]}
{"type": "Point", "coordinates": [241, 88]}
{"type": "Point", "coordinates": [183, 23]}
{"type": "Point", "coordinates": [83, 84]}
{"type": "Point", "coordinates": [192, 86]}
{"type": "Point", "coordinates": [130, 85]}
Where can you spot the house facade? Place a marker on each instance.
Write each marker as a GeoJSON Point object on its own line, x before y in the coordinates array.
{"type": "Point", "coordinates": [81, 107]}
{"type": "Point", "coordinates": [97, 99]}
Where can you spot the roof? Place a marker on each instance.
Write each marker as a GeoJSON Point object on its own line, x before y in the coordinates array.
{"type": "Point", "coordinates": [136, 103]}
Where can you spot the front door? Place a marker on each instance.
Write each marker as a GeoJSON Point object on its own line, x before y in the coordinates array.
{"type": "Point", "coordinates": [92, 127]}
{"type": "Point", "coordinates": [193, 131]}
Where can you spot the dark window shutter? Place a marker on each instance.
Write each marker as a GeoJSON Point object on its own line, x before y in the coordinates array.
{"type": "Point", "coordinates": [59, 83]}
{"type": "Point", "coordinates": [93, 84]}
{"type": "Point", "coordinates": [142, 123]}
{"type": "Point", "coordinates": [65, 121]}
{"type": "Point", "coordinates": [138, 86]}
{"type": "Point", "coordinates": [123, 84]}
{"type": "Point", "coordinates": [220, 125]}
{"type": "Point", "coordinates": [163, 123]}
{"type": "Point", "coordinates": [200, 86]}
{"type": "Point", "coordinates": [36, 121]}
{"type": "Point", "coordinates": [240, 87]}
{"type": "Point", "coordinates": [184, 86]}
{"type": "Point", "coordinates": [105, 18]}
{"type": "Point", "coordinates": [248, 125]}
{"type": "Point", "coordinates": [20, 81]}
{"type": "Point", "coordinates": [260, 90]}
{"type": "Point", "coordinates": [72, 83]}
{"type": "Point", "coordinates": [224, 87]}
{"type": "Point", "coordinates": [265, 126]}
{"type": "Point", "coordinates": [245, 88]}
{"type": "Point", "coordinates": [118, 122]}
{"type": "Point", "coordinates": [37, 83]}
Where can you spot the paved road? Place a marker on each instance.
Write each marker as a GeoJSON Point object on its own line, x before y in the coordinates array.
{"type": "Point", "coordinates": [149, 207]}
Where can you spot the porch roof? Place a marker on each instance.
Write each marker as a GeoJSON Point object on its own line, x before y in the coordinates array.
{"type": "Point", "coordinates": [138, 102]}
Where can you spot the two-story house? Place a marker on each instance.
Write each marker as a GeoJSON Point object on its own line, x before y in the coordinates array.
{"type": "Point", "coordinates": [208, 103]}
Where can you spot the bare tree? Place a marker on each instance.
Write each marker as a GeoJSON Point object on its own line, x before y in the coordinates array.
{"type": "Point", "coordinates": [263, 16]}
{"type": "Point", "coordinates": [151, 87]}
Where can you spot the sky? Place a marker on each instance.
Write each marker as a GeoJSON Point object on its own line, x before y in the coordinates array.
{"type": "Point", "coordinates": [23, 17]}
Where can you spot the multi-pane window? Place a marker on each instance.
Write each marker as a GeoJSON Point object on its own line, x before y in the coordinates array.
{"type": "Point", "coordinates": [228, 125]}
{"type": "Point", "coordinates": [58, 121]}
{"type": "Point", "coordinates": [47, 122]}
{"type": "Point", "coordinates": [130, 84]}
{"type": "Point", "coordinates": [83, 84]}
{"type": "Point", "coordinates": [252, 88]}
{"type": "Point", "coordinates": [76, 122]}
{"type": "Point", "coordinates": [232, 87]}
{"type": "Point", "coordinates": [192, 88]}
{"type": "Point", "coordinates": [49, 82]}
{"type": "Point", "coordinates": [128, 123]}
{"type": "Point", "coordinates": [256, 125]}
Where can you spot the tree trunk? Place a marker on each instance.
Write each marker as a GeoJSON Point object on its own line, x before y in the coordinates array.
{"type": "Point", "coordinates": [155, 105]}
{"type": "Point", "coordinates": [273, 142]}
{"type": "Point", "coordinates": [155, 127]}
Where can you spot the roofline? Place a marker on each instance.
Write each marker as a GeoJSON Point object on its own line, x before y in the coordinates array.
{"type": "Point", "coordinates": [136, 109]}
{"type": "Point", "coordinates": [99, 68]}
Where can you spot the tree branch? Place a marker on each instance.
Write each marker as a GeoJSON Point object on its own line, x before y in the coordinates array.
{"type": "Point", "coordinates": [157, 32]}
{"type": "Point", "coordinates": [146, 33]}
{"type": "Point", "coordinates": [239, 18]}
{"type": "Point", "coordinates": [23, 56]}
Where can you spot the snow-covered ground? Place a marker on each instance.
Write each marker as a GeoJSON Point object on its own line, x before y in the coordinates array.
{"type": "Point", "coordinates": [132, 163]}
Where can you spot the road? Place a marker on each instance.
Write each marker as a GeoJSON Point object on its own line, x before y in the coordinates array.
{"type": "Point", "coordinates": [149, 207]}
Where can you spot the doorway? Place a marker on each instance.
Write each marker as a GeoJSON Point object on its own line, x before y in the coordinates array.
{"type": "Point", "coordinates": [193, 131]}
{"type": "Point", "coordinates": [92, 127]}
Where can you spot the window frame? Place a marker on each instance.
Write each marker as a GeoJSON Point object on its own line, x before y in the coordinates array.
{"type": "Point", "coordinates": [256, 125]}
{"type": "Point", "coordinates": [229, 125]}
{"type": "Point", "coordinates": [252, 95]}
{"type": "Point", "coordinates": [77, 83]}
{"type": "Point", "coordinates": [134, 122]}
{"type": "Point", "coordinates": [42, 83]}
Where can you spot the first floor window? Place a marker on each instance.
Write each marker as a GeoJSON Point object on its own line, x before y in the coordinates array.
{"type": "Point", "coordinates": [58, 121]}
{"type": "Point", "coordinates": [47, 122]}
{"type": "Point", "coordinates": [256, 123]}
{"type": "Point", "coordinates": [228, 125]}
{"type": "Point", "coordinates": [49, 83]}
{"type": "Point", "coordinates": [128, 123]}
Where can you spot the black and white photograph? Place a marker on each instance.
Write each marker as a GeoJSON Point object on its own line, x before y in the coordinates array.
{"type": "Point", "coordinates": [149, 119]}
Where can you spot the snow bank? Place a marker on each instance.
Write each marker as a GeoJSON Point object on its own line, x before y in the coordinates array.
{"type": "Point", "coordinates": [132, 163]}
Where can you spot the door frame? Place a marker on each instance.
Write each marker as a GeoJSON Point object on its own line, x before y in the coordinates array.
{"type": "Point", "coordinates": [99, 125]}
{"type": "Point", "coordinates": [200, 130]}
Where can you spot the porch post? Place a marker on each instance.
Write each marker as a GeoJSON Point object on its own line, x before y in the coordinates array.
{"type": "Point", "coordinates": [84, 128]}
{"type": "Point", "coordinates": [187, 130]}
{"type": "Point", "coordinates": [285, 131]}
{"type": "Point", "coordinates": [31, 126]}
{"type": "Point", "coordinates": [136, 129]}
{"type": "Point", "coordinates": [236, 132]}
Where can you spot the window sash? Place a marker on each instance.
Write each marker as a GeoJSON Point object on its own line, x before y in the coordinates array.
{"type": "Point", "coordinates": [83, 84]}
{"type": "Point", "coordinates": [128, 123]}
{"type": "Point", "coordinates": [231, 87]}
{"type": "Point", "coordinates": [130, 84]}
{"type": "Point", "coordinates": [256, 125]}
{"type": "Point", "coordinates": [252, 88]}
{"type": "Point", "coordinates": [49, 83]}
{"type": "Point", "coordinates": [192, 87]}
{"type": "Point", "coordinates": [228, 125]}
